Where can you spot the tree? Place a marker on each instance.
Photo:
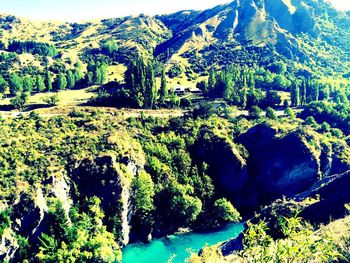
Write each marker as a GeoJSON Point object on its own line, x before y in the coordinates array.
{"type": "Point", "coordinates": [244, 98]}
{"type": "Point", "coordinates": [150, 88]}
{"type": "Point", "coordinates": [3, 84]}
{"type": "Point", "coordinates": [48, 81]}
{"type": "Point", "coordinates": [139, 80]}
{"type": "Point", "coordinates": [51, 100]}
{"type": "Point", "coordinates": [225, 212]}
{"type": "Point", "coordinates": [100, 74]}
{"type": "Point", "coordinates": [70, 80]}
{"type": "Point", "coordinates": [272, 98]}
{"type": "Point", "coordinates": [184, 207]}
{"type": "Point", "coordinates": [19, 101]}
{"type": "Point", "coordinates": [39, 83]}
{"type": "Point", "coordinates": [203, 86]}
{"type": "Point", "coordinates": [303, 93]}
{"type": "Point", "coordinates": [163, 92]}
{"type": "Point", "coordinates": [110, 47]}
{"type": "Point", "coordinates": [271, 114]}
{"type": "Point", "coordinates": [15, 83]}
{"type": "Point", "coordinates": [143, 194]}
{"type": "Point", "coordinates": [61, 81]}
{"type": "Point", "coordinates": [290, 113]}
{"type": "Point", "coordinates": [27, 84]}
{"type": "Point", "coordinates": [277, 67]}
{"type": "Point", "coordinates": [255, 112]}
{"type": "Point", "coordinates": [211, 81]}
{"type": "Point", "coordinates": [295, 95]}
{"type": "Point", "coordinates": [78, 75]}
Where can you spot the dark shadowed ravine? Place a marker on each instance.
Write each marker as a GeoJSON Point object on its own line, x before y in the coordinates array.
{"type": "Point", "coordinates": [177, 247]}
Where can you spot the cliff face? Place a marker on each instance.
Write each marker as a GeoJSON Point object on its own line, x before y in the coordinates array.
{"type": "Point", "coordinates": [110, 181]}
{"type": "Point", "coordinates": [276, 164]}
{"type": "Point", "coordinates": [29, 218]}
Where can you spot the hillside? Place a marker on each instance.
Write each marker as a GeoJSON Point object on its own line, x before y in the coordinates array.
{"type": "Point", "coordinates": [119, 132]}
{"type": "Point", "coordinates": [305, 34]}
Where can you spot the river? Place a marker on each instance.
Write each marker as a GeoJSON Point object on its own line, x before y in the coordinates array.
{"type": "Point", "coordinates": [178, 246]}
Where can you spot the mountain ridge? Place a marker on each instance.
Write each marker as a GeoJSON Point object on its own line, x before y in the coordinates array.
{"type": "Point", "coordinates": [250, 32]}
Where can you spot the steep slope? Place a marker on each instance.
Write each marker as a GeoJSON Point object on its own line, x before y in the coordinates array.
{"type": "Point", "coordinates": [78, 42]}
{"type": "Point", "coordinates": [245, 31]}
{"type": "Point", "coordinates": [307, 34]}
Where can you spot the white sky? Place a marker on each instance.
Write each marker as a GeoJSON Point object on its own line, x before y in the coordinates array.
{"type": "Point", "coordinates": [75, 10]}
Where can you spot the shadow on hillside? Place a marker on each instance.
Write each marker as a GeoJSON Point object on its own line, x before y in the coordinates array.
{"type": "Point", "coordinates": [36, 107]}
{"type": "Point", "coordinates": [6, 107]}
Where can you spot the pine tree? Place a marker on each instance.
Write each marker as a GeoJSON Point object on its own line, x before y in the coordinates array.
{"type": "Point", "coordinates": [295, 94]}
{"type": "Point", "coordinates": [28, 84]}
{"type": "Point", "coordinates": [70, 80]}
{"type": "Point", "coordinates": [150, 92]}
{"type": "Point", "coordinates": [212, 82]}
{"type": "Point", "coordinates": [61, 81]}
{"type": "Point", "coordinates": [303, 93]}
{"type": "Point", "coordinates": [244, 98]}
{"type": "Point", "coordinates": [48, 81]}
{"type": "Point", "coordinates": [16, 83]}
{"type": "Point", "coordinates": [3, 84]}
{"type": "Point", "coordinates": [163, 91]}
{"type": "Point", "coordinates": [39, 83]}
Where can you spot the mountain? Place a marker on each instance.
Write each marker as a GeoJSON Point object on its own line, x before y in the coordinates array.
{"type": "Point", "coordinates": [306, 33]}
{"type": "Point", "coordinates": [309, 35]}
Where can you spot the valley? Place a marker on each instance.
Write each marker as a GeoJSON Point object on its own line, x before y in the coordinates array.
{"type": "Point", "coordinates": [231, 124]}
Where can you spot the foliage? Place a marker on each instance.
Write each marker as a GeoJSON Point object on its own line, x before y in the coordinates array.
{"type": "Point", "coordinates": [19, 101]}
{"type": "Point", "coordinates": [51, 100]}
{"type": "Point", "coordinates": [32, 47]}
{"type": "Point", "coordinates": [225, 212]}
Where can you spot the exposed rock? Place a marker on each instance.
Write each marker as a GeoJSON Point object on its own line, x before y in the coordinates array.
{"type": "Point", "coordinates": [226, 165]}
{"type": "Point", "coordinates": [235, 244]}
{"type": "Point", "coordinates": [277, 165]}
{"type": "Point", "coordinates": [110, 181]}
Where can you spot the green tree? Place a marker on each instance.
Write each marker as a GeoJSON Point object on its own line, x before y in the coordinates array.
{"type": "Point", "coordinates": [20, 100]}
{"type": "Point", "coordinates": [3, 85]}
{"type": "Point", "coordinates": [255, 112]}
{"type": "Point", "coordinates": [271, 114]}
{"type": "Point", "coordinates": [61, 81]}
{"type": "Point", "coordinates": [163, 92]}
{"type": "Point", "coordinates": [39, 83]}
{"type": "Point", "coordinates": [110, 47]}
{"type": "Point", "coordinates": [290, 113]}
{"type": "Point", "coordinates": [51, 100]}
{"type": "Point", "coordinates": [150, 88]}
{"type": "Point", "coordinates": [272, 98]}
{"type": "Point", "coordinates": [212, 81]}
{"type": "Point", "coordinates": [48, 81]}
{"type": "Point", "coordinates": [70, 79]}
{"type": "Point", "coordinates": [295, 95]}
{"type": "Point", "coordinates": [144, 194]}
{"type": "Point", "coordinates": [27, 84]}
{"type": "Point", "coordinates": [203, 86]}
{"type": "Point", "coordinates": [225, 212]}
{"type": "Point", "coordinates": [16, 83]}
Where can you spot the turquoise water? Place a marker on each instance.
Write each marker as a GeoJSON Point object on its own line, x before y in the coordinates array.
{"type": "Point", "coordinates": [160, 250]}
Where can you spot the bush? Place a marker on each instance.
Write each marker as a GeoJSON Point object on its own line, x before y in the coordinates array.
{"type": "Point", "coordinates": [19, 101]}
{"type": "Point", "coordinates": [225, 212]}
{"type": "Point", "coordinates": [255, 112]}
{"type": "Point", "coordinates": [51, 100]}
{"type": "Point", "coordinates": [271, 114]}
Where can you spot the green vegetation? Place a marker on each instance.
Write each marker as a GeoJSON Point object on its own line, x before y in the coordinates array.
{"type": "Point", "coordinates": [78, 186]}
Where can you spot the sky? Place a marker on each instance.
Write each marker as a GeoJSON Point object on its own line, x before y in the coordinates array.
{"type": "Point", "coordinates": [77, 10]}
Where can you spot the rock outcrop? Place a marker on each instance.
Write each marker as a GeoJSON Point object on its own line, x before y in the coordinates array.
{"type": "Point", "coordinates": [110, 181]}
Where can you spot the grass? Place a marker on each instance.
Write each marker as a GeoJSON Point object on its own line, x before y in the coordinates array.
{"type": "Point", "coordinates": [66, 97]}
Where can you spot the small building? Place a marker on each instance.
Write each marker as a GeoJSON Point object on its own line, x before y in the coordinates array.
{"type": "Point", "coordinates": [179, 90]}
